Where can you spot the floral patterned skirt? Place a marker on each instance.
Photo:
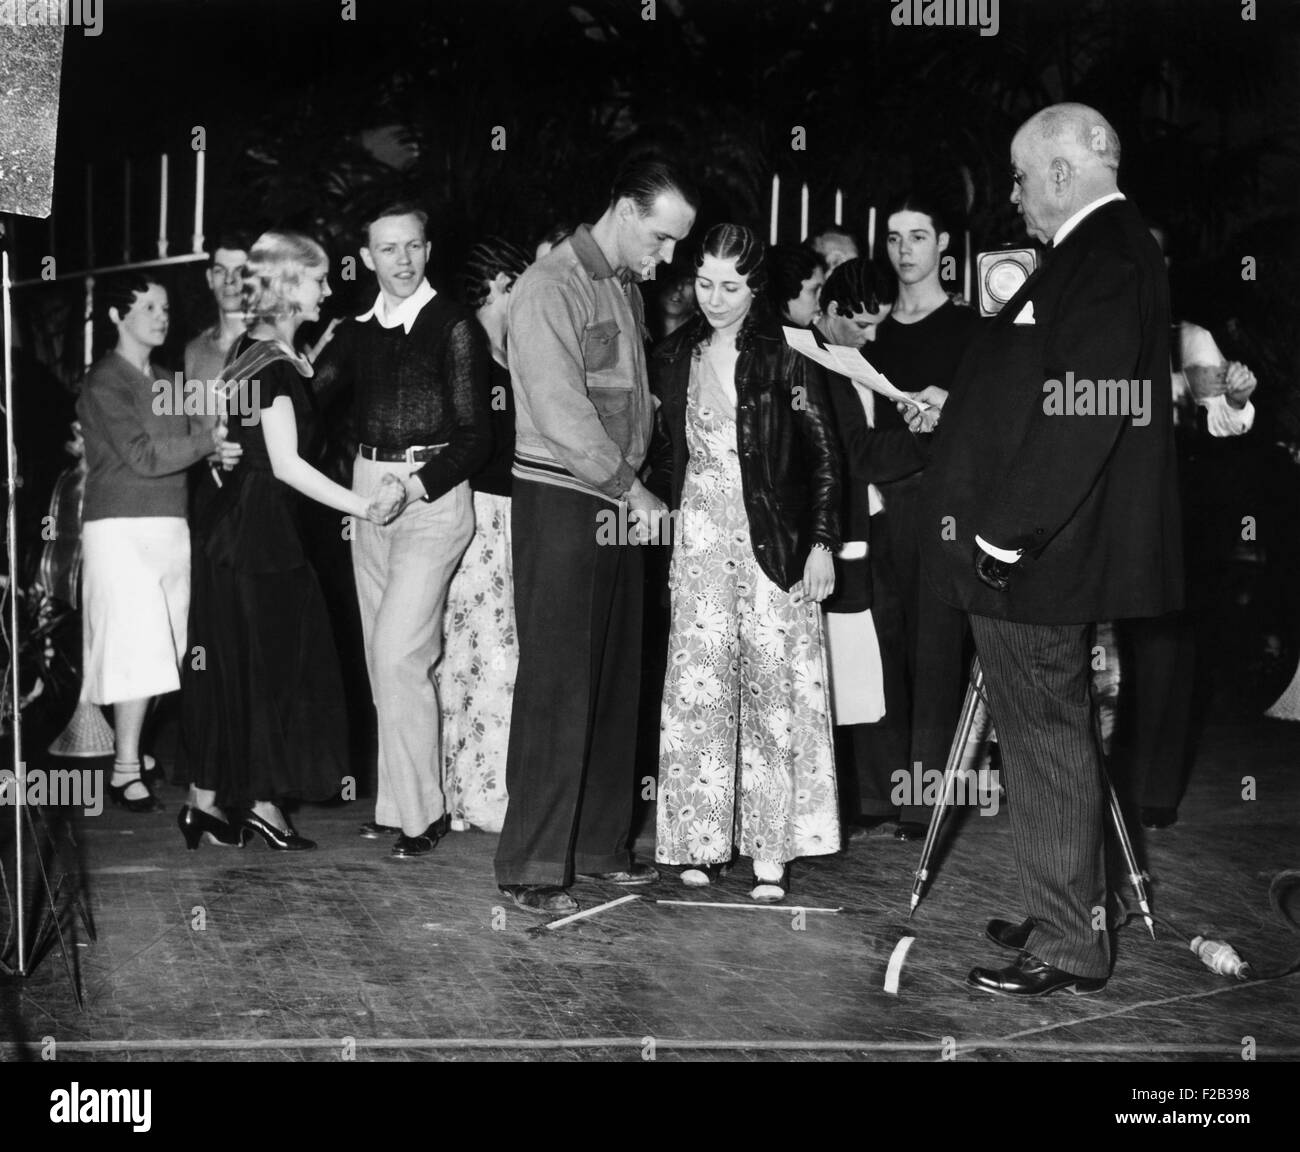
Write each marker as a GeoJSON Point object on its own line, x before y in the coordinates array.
{"type": "Point", "coordinates": [476, 676]}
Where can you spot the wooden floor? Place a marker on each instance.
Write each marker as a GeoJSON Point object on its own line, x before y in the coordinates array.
{"type": "Point", "coordinates": [254, 955]}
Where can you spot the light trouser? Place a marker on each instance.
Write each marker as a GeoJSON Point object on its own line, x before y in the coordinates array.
{"type": "Point", "coordinates": [402, 574]}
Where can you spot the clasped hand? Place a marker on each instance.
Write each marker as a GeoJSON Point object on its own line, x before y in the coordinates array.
{"type": "Point", "coordinates": [1239, 383]}
{"type": "Point", "coordinates": [388, 500]}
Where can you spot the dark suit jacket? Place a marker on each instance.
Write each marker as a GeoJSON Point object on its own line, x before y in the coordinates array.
{"type": "Point", "coordinates": [852, 577]}
{"type": "Point", "coordinates": [1092, 499]}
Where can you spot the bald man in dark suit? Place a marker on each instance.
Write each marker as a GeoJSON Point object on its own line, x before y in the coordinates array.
{"type": "Point", "coordinates": [1050, 504]}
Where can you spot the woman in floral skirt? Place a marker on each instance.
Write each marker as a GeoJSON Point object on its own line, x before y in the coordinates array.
{"type": "Point", "coordinates": [476, 678]}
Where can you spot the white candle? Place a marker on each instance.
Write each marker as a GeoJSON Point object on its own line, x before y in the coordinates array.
{"type": "Point", "coordinates": [839, 206]}
{"type": "Point", "coordinates": [199, 174]}
{"type": "Point", "coordinates": [871, 232]}
{"type": "Point", "coordinates": [88, 323]}
{"type": "Point", "coordinates": [966, 292]}
{"type": "Point", "coordinates": [803, 213]}
{"type": "Point", "coordinates": [90, 216]}
{"type": "Point", "coordinates": [162, 210]}
{"type": "Point", "coordinates": [776, 199]}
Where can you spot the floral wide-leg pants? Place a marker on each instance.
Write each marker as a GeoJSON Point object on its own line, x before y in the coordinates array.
{"type": "Point", "coordinates": [745, 752]}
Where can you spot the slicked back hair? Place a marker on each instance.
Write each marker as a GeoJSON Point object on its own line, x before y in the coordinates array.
{"type": "Point", "coordinates": [644, 181]}
{"type": "Point", "coordinates": [923, 203]}
{"type": "Point", "coordinates": [398, 208]}
{"type": "Point", "coordinates": [230, 241]}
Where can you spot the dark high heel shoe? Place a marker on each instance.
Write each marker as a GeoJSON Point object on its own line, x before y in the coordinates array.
{"type": "Point", "coordinates": [148, 803]}
{"type": "Point", "coordinates": [288, 841]}
{"type": "Point", "coordinates": [195, 824]}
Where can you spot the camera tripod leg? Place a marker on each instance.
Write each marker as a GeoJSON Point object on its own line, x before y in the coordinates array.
{"type": "Point", "coordinates": [956, 752]}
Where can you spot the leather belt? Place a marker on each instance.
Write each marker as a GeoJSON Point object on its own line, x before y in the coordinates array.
{"type": "Point", "coordinates": [416, 455]}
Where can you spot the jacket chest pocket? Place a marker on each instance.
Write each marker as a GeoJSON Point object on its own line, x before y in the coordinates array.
{"type": "Point", "coordinates": [600, 345]}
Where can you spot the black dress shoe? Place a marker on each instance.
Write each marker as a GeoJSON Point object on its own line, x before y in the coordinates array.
{"type": "Point", "coordinates": [196, 825]}
{"type": "Point", "coordinates": [373, 830]}
{"type": "Point", "coordinates": [278, 839]}
{"type": "Point", "coordinates": [544, 899]}
{"type": "Point", "coordinates": [635, 874]}
{"type": "Point", "coordinates": [1030, 976]}
{"type": "Point", "coordinates": [1159, 817]}
{"type": "Point", "coordinates": [910, 830]}
{"type": "Point", "coordinates": [425, 842]}
{"type": "Point", "coordinates": [146, 803]}
{"type": "Point", "coordinates": [1007, 935]}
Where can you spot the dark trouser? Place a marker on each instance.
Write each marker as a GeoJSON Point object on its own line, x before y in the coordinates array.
{"type": "Point", "coordinates": [570, 768]}
{"type": "Point", "coordinates": [868, 755]}
{"type": "Point", "coordinates": [1038, 679]}
{"type": "Point", "coordinates": [942, 674]}
{"type": "Point", "coordinates": [938, 654]}
{"type": "Point", "coordinates": [1158, 665]}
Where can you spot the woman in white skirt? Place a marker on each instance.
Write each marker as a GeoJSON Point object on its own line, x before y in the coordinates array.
{"type": "Point", "coordinates": [135, 540]}
{"type": "Point", "coordinates": [476, 678]}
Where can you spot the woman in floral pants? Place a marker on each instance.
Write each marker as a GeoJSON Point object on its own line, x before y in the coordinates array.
{"type": "Point", "coordinates": [746, 458]}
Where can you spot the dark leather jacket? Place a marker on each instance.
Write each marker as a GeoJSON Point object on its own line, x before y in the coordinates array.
{"type": "Point", "coordinates": [789, 456]}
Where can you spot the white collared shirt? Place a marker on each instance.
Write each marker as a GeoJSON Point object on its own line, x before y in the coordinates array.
{"type": "Point", "coordinates": [1073, 222]}
{"type": "Point", "coordinates": [405, 313]}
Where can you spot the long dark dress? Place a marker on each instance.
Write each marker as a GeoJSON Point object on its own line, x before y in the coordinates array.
{"type": "Point", "coordinates": [262, 707]}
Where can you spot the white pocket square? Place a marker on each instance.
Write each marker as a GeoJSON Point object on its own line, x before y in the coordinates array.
{"type": "Point", "coordinates": [1026, 314]}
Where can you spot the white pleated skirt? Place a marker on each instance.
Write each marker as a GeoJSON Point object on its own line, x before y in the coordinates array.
{"type": "Point", "coordinates": [135, 601]}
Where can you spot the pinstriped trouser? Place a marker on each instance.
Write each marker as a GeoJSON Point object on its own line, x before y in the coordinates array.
{"type": "Point", "coordinates": [1038, 682]}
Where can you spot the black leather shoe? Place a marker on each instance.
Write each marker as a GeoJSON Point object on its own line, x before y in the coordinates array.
{"type": "Point", "coordinates": [278, 839]}
{"type": "Point", "coordinates": [910, 830]}
{"type": "Point", "coordinates": [1005, 934]}
{"type": "Point", "coordinates": [1159, 817]}
{"type": "Point", "coordinates": [146, 803]}
{"type": "Point", "coordinates": [636, 874]}
{"type": "Point", "coordinates": [1030, 976]}
{"type": "Point", "coordinates": [425, 842]}
{"type": "Point", "coordinates": [196, 825]}
{"type": "Point", "coordinates": [373, 830]}
{"type": "Point", "coordinates": [543, 899]}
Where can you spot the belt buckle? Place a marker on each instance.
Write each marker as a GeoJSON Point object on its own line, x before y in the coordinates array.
{"type": "Point", "coordinates": [409, 455]}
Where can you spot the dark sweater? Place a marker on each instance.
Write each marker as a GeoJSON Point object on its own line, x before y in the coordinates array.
{"type": "Point", "coordinates": [136, 453]}
{"type": "Point", "coordinates": [914, 357]}
{"type": "Point", "coordinates": [494, 477]}
{"type": "Point", "coordinates": [423, 388]}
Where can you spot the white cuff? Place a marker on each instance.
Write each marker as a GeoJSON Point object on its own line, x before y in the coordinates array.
{"type": "Point", "coordinates": [1225, 420]}
{"type": "Point", "coordinates": [999, 553]}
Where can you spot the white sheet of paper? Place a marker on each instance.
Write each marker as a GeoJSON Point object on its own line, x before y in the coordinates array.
{"type": "Point", "coordinates": [847, 362]}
